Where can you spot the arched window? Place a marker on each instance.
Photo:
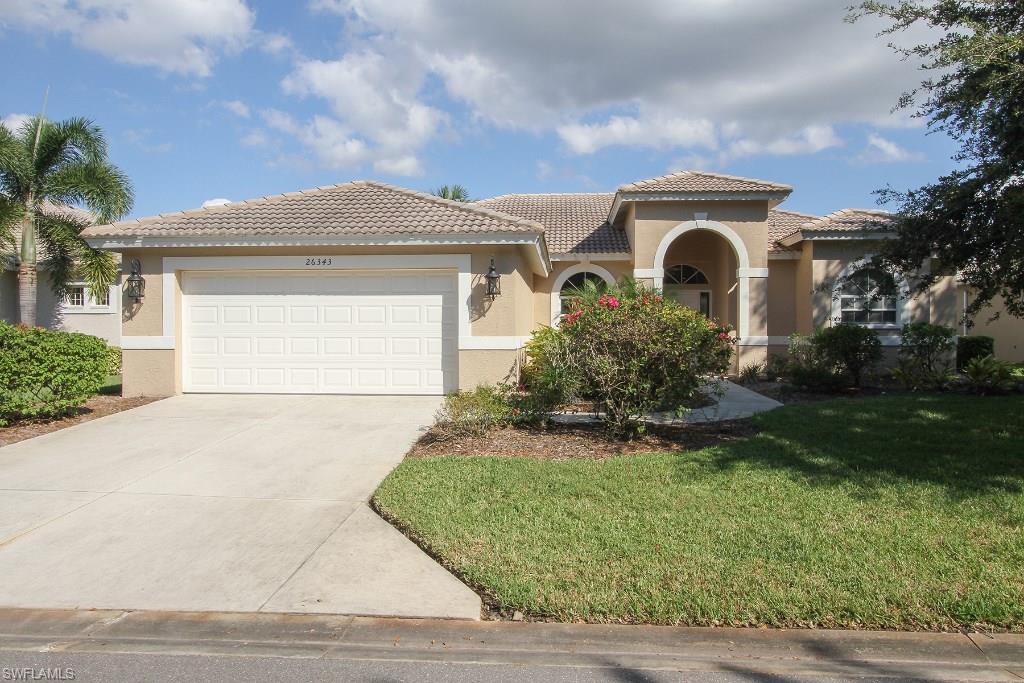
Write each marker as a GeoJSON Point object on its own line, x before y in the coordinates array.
{"type": "Point", "coordinates": [868, 297]}
{"type": "Point", "coordinates": [685, 275]}
{"type": "Point", "coordinates": [573, 288]}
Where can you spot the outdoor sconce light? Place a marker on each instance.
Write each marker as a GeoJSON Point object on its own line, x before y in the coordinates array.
{"type": "Point", "coordinates": [493, 282]}
{"type": "Point", "coordinates": [135, 285]}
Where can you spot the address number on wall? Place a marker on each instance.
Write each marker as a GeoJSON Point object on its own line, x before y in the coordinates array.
{"type": "Point", "coordinates": [318, 261]}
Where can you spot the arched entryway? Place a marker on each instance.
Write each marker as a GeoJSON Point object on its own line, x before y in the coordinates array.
{"type": "Point", "coordinates": [701, 264]}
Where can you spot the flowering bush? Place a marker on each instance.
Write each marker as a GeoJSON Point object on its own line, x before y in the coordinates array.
{"type": "Point", "coordinates": [631, 351]}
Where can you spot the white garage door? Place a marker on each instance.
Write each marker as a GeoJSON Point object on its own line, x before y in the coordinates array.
{"type": "Point", "coordinates": [323, 332]}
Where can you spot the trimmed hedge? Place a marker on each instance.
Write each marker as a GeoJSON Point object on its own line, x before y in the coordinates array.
{"type": "Point", "coordinates": [47, 373]}
{"type": "Point", "coordinates": [969, 348]}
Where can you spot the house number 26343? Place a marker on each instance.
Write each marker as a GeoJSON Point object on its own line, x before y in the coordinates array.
{"type": "Point", "coordinates": [318, 261]}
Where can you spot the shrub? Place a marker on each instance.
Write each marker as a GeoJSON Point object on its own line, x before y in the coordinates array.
{"type": "Point", "coordinates": [113, 360]}
{"type": "Point", "coordinates": [776, 366]}
{"type": "Point", "coordinates": [631, 351]}
{"type": "Point", "coordinates": [987, 375]}
{"type": "Point", "coordinates": [751, 372]}
{"type": "Point", "coordinates": [925, 356]}
{"type": "Point", "coordinates": [808, 367]}
{"type": "Point", "coordinates": [851, 349]}
{"type": "Point", "coordinates": [47, 373]}
{"type": "Point", "coordinates": [969, 348]}
{"type": "Point", "coordinates": [471, 413]}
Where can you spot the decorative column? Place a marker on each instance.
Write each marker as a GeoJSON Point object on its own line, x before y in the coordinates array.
{"type": "Point", "coordinates": [753, 314]}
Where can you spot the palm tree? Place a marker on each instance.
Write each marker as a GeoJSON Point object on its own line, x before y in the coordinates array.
{"type": "Point", "coordinates": [47, 167]}
{"type": "Point", "coordinates": [456, 193]}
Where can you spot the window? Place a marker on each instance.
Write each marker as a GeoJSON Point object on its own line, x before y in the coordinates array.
{"type": "Point", "coordinates": [685, 275]}
{"type": "Point", "coordinates": [101, 298]}
{"type": "Point", "coordinates": [574, 286]}
{"type": "Point", "coordinates": [868, 297]}
{"type": "Point", "coordinates": [75, 297]}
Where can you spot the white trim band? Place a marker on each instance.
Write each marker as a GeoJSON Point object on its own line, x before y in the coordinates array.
{"type": "Point", "coordinates": [751, 272]}
{"type": "Point", "coordinates": [491, 343]}
{"type": "Point", "coordinates": [140, 343]}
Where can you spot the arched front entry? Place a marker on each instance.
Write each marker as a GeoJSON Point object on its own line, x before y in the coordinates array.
{"type": "Point", "coordinates": [719, 252]}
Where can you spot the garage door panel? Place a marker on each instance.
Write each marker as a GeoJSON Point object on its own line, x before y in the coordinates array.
{"type": "Point", "coordinates": [328, 333]}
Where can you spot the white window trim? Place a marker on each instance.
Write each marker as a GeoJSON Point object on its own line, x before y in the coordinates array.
{"type": "Point", "coordinates": [90, 307]}
{"type": "Point", "coordinates": [903, 311]}
{"type": "Point", "coordinates": [556, 287]}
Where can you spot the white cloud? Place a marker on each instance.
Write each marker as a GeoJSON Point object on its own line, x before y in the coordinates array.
{"type": "Point", "coordinates": [882, 150]}
{"type": "Point", "coordinates": [184, 37]}
{"type": "Point", "coordinates": [14, 122]}
{"type": "Point", "coordinates": [255, 138]}
{"type": "Point", "coordinates": [219, 201]}
{"type": "Point", "coordinates": [656, 131]}
{"type": "Point", "coordinates": [376, 113]}
{"type": "Point", "coordinates": [738, 77]}
{"type": "Point", "coordinates": [810, 140]}
{"type": "Point", "coordinates": [237, 107]}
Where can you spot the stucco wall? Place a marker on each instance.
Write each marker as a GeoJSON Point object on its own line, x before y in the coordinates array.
{"type": "Point", "coordinates": [51, 313]}
{"type": "Point", "coordinates": [782, 289]}
{"type": "Point", "coordinates": [148, 372]}
{"type": "Point", "coordinates": [1007, 330]}
{"type": "Point", "coordinates": [654, 220]}
{"type": "Point", "coordinates": [510, 315]}
{"type": "Point", "coordinates": [478, 366]}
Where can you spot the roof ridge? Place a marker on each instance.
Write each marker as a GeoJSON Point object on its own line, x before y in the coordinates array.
{"type": "Point", "coordinates": [543, 194]}
{"type": "Point", "coordinates": [795, 213]}
{"type": "Point", "coordinates": [828, 218]}
{"type": "Point", "coordinates": [241, 202]}
{"type": "Point", "coordinates": [636, 184]}
{"type": "Point", "coordinates": [460, 206]}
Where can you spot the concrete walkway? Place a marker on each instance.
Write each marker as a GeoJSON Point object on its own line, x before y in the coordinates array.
{"type": "Point", "coordinates": [368, 649]}
{"type": "Point", "coordinates": [220, 503]}
{"type": "Point", "coordinates": [735, 402]}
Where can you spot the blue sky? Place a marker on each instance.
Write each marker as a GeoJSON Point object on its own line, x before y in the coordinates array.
{"type": "Point", "coordinates": [202, 99]}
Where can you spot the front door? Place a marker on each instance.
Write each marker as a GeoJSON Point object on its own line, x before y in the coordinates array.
{"type": "Point", "coordinates": [697, 299]}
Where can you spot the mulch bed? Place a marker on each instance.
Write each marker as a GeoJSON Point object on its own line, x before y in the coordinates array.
{"type": "Point", "coordinates": [560, 442]}
{"type": "Point", "coordinates": [97, 406]}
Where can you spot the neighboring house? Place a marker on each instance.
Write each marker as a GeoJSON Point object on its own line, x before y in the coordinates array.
{"type": "Point", "coordinates": [365, 287]}
{"type": "Point", "coordinates": [82, 310]}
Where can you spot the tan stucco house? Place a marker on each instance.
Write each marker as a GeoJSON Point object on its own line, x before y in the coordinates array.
{"type": "Point", "coordinates": [365, 287]}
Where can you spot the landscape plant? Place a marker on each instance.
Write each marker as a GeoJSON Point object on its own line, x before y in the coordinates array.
{"type": "Point", "coordinates": [47, 373]}
{"type": "Point", "coordinates": [47, 167]}
{"type": "Point", "coordinates": [969, 347]}
{"type": "Point", "coordinates": [631, 351]}
{"type": "Point", "coordinates": [925, 356]}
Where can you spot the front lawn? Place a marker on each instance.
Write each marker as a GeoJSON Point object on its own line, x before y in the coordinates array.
{"type": "Point", "coordinates": [883, 512]}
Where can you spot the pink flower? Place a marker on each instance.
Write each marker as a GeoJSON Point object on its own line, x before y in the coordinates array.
{"type": "Point", "coordinates": [723, 336]}
{"type": "Point", "coordinates": [608, 301]}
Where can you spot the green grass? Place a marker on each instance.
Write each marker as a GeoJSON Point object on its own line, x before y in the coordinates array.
{"type": "Point", "coordinates": [889, 512]}
{"type": "Point", "coordinates": [112, 385]}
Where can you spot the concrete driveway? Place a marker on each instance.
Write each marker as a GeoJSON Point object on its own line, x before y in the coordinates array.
{"type": "Point", "coordinates": [220, 503]}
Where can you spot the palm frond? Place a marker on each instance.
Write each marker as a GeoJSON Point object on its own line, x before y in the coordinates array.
{"type": "Point", "coordinates": [73, 141]}
{"type": "Point", "coordinates": [15, 165]}
{"type": "Point", "coordinates": [456, 193]}
{"type": "Point", "coordinates": [100, 186]}
{"type": "Point", "coordinates": [69, 257]}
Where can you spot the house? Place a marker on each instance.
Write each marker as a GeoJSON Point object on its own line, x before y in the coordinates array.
{"type": "Point", "coordinates": [81, 310]}
{"type": "Point", "coordinates": [365, 287]}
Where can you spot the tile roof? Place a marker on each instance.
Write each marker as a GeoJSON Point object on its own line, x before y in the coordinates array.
{"type": "Point", "coordinates": [850, 220]}
{"type": "Point", "coordinates": [361, 207]}
{"type": "Point", "coordinates": [782, 223]}
{"type": "Point", "coordinates": [704, 182]}
{"type": "Point", "coordinates": [575, 223]}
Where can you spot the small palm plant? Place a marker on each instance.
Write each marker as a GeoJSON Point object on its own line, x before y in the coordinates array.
{"type": "Point", "coordinates": [47, 167]}
{"type": "Point", "coordinates": [456, 193]}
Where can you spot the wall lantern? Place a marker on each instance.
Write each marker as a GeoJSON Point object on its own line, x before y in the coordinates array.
{"type": "Point", "coordinates": [493, 282]}
{"type": "Point", "coordinates": [135, 285]}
